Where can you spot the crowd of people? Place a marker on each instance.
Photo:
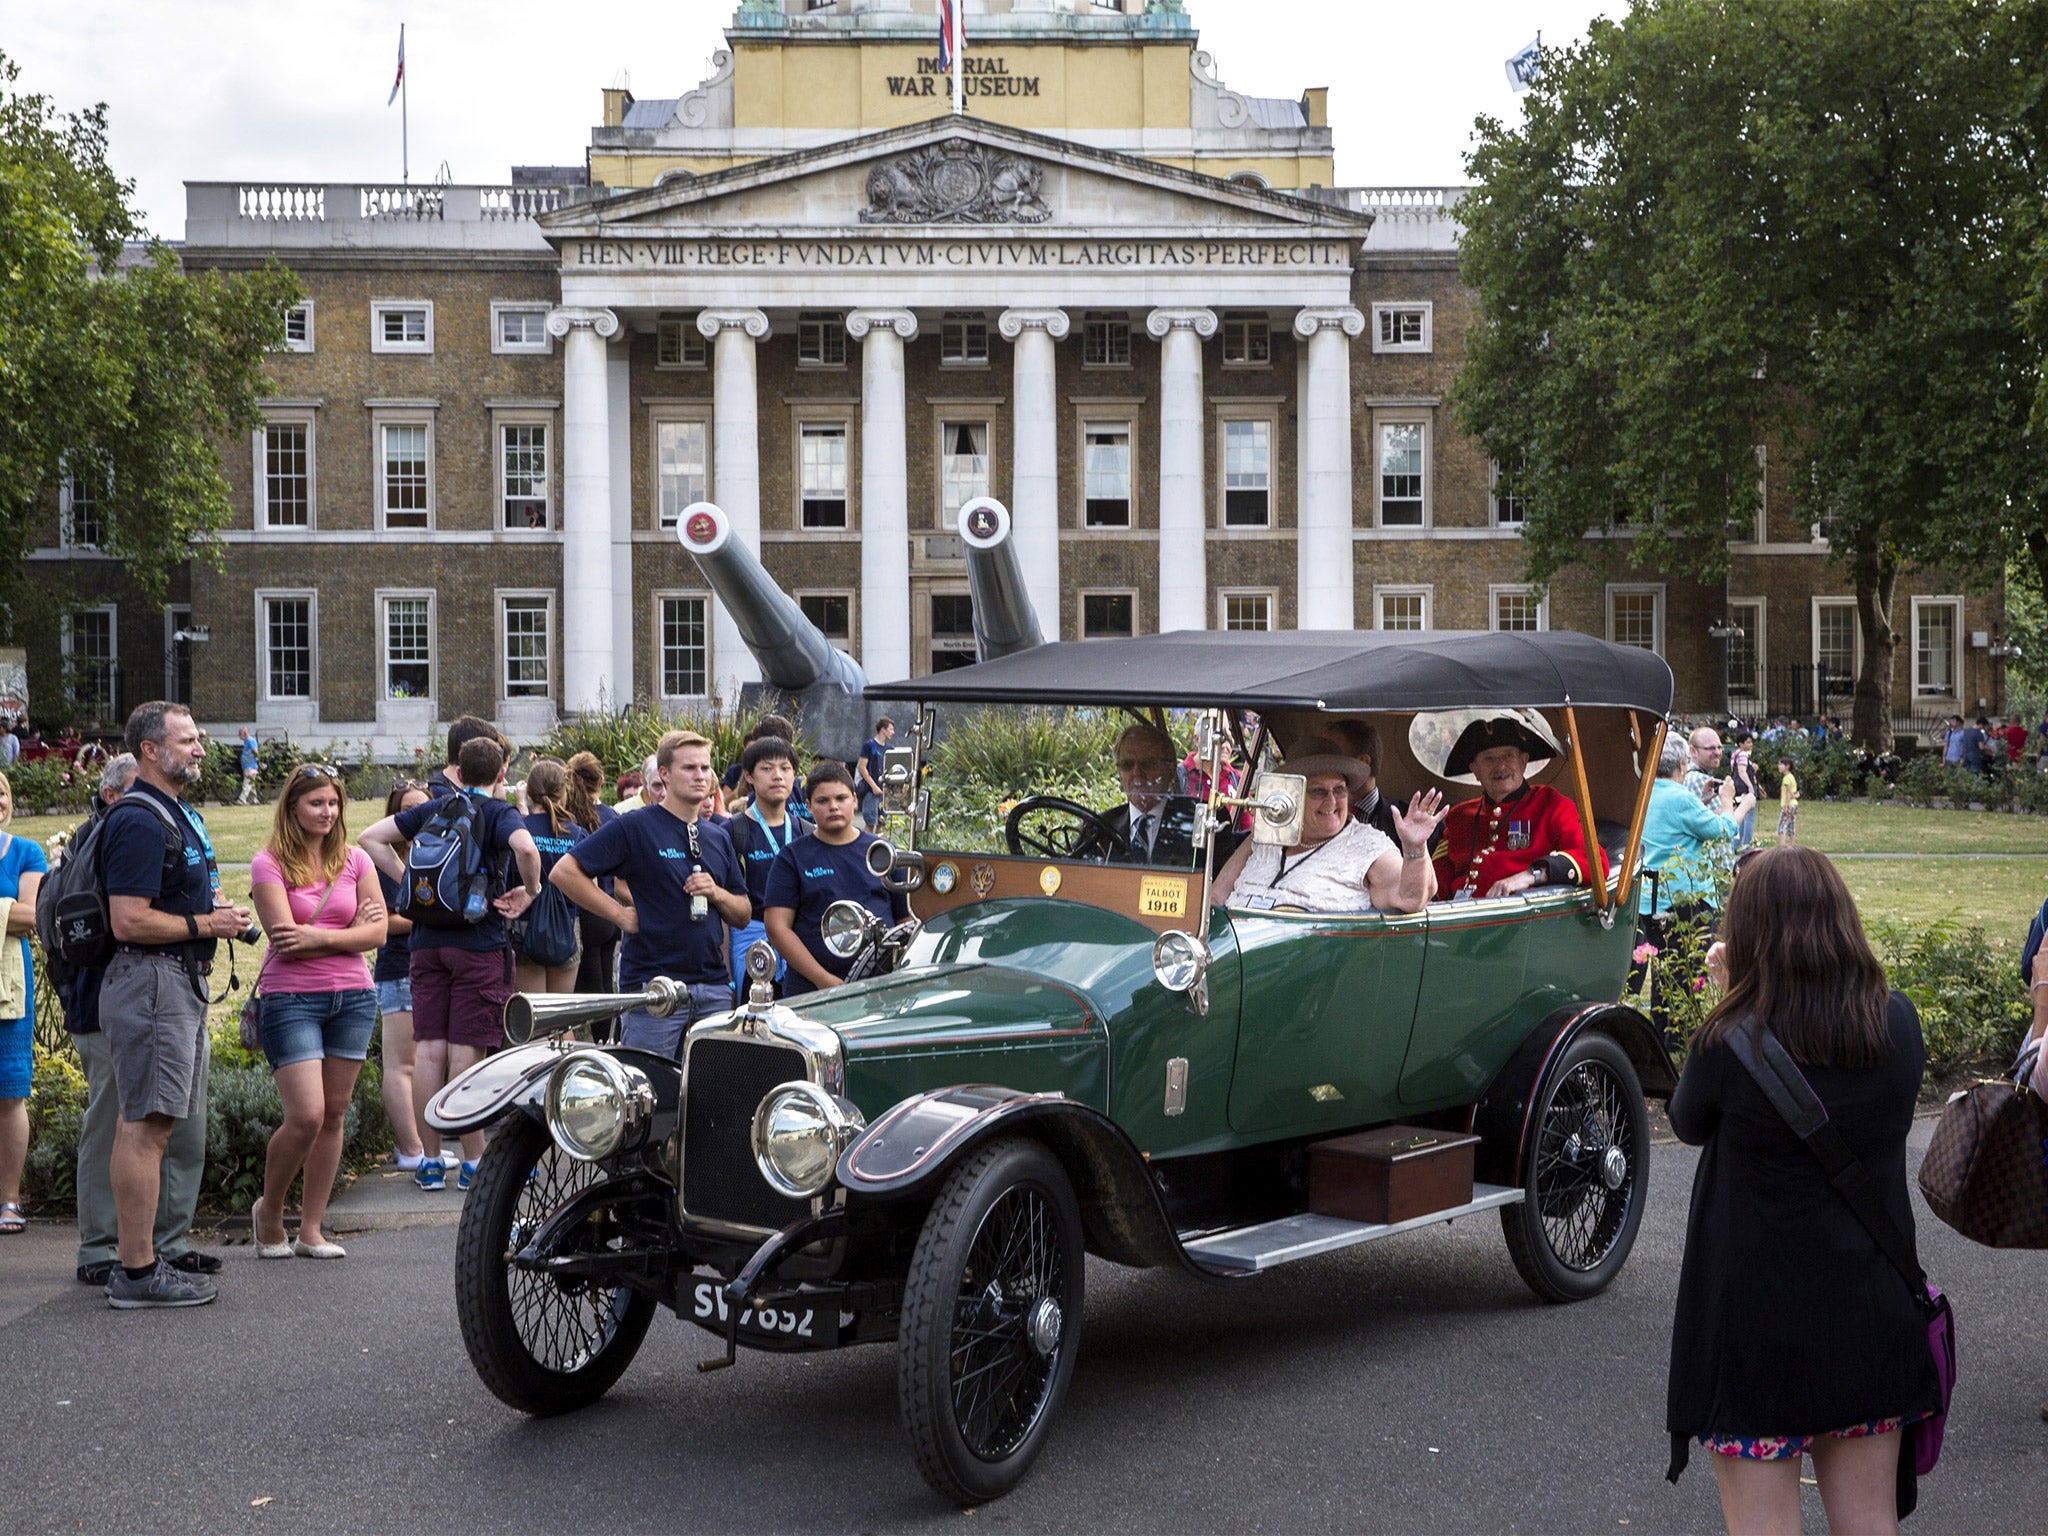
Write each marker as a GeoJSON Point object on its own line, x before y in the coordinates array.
{"type": "Point", "coordinates": [419, 928]}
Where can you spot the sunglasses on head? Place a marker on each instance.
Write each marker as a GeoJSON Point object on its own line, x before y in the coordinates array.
{"type": "Point", "coordinates": [1745, 858]}
{"type": "Point", "coordinates": [319, 771]}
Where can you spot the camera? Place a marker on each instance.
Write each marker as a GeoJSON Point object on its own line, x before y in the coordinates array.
{"type": "Point", "coordinates": [249, 935]}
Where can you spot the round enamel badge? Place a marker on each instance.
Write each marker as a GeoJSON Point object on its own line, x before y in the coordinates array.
{"type": "Point", "coordinates": [944, 877]}
{"type": "Point", "coordinates": [1049, 879]}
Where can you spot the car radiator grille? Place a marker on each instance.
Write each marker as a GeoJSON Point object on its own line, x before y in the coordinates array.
{"type": "Point", "coordinates": [727, 1081]}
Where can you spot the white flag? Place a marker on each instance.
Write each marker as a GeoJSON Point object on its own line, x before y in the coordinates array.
{"type": "Point", "coordinates": [400, 80]}
{"type": "Point", "coordinates": [1523, 67]}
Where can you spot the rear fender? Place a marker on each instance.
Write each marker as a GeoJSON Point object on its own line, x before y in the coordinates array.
{"type": "Point", "coordinates": [1501, 1116]}
{"type": "Point", "coordinates": [907, 1153]}
{"type": "Point", "coordinates": [519, 1078]}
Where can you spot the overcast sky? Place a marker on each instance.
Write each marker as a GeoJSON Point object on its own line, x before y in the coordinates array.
{"type": "Point", "coordinates": [220, 90]}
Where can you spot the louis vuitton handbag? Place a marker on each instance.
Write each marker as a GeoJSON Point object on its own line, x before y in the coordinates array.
{"type": "Point", "coordinates": [1986, 1171]}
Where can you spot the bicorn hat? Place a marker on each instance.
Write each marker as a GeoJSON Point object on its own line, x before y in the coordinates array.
{"type": "Point", "coordinates": [1498, 731]}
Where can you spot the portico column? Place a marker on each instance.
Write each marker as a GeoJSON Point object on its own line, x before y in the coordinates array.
{"type": "Point", "coordinates": [586, 506]}
{"type": "Point", "coordinates": [735, 465]}
{"type": "Point", "coordinates": [884, 492]}
{"type": "Point", "coordinates": [1034, 455]}
{"type": "Point", "coordinates": [1183, 516]}
{"type": "Point", "coordinates": [1323, 564]}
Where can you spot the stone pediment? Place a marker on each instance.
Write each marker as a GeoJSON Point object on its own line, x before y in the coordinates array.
{"type": "Point", "coordinates": [953, 173]}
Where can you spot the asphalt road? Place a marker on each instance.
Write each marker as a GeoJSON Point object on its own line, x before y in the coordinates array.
{"type": "Point", "coordinates": [1410, 1385]}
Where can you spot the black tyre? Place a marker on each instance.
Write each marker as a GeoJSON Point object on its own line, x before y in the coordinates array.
{"type": "Point", "coordinates": [1585, 1173]}
{"type": "Point", "coordinates": [543, 1345]}
{"type": "Point", "coordinates": [991, 1320]}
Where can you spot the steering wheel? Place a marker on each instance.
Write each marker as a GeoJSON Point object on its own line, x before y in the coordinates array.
{"type": "Point", "coordinates": [1052, 828]}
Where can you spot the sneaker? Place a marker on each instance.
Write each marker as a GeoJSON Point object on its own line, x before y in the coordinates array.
{"type": "Point", "coordinates": [96, 1273]}
{"type": "Point", "coordinates": [161, 1287]}
{"type": "Point", "coordinates": [193, 1262]}
{"type": "Point", "coordinates": [465, 1175]}
{"type": "Point", "coordinates": [433, 1174]}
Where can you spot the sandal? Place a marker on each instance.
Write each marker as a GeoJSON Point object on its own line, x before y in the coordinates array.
{"type": "Point", "coordinates": [12, 1221]}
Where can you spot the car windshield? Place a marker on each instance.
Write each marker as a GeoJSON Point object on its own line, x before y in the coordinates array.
{"type": "Point", "coordinates": [1094, 785]}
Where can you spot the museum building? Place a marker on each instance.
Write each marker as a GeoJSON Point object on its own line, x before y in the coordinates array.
{"type": "Point", "coordinates": [1126, 300]}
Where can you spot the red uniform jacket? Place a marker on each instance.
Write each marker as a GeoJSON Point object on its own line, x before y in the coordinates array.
{"type": "Point", "coordinates": [1481, 842]}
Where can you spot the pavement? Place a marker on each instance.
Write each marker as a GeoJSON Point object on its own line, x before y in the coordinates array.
{"type": "Point", "coordinates": [1411, 1385]}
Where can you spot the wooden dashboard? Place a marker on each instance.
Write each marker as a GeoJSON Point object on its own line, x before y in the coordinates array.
{"type": "Point", "coordinates": [1158, 898]}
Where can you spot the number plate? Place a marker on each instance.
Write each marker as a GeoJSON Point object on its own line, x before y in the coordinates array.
{"type": "Point", "coordinates": [1159, 897]}
{"type": "Point", "coordinates": [787, 1323]}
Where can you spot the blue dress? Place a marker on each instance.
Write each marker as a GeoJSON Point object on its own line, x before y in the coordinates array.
{"type": "Point", "coordinates": [22, 856]}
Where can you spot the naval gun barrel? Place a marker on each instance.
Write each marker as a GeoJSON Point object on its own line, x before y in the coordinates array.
{"type": "Point", "coordinates": [1004, 620]}
{"type": "Point", "coordinates": [793, 654]}
{"type": "Point", "coordinates": [800, 667]}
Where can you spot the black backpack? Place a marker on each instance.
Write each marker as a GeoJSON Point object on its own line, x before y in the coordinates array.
{"type": "Point", "coordinates": [446, 883]}
{"type": "Point", "coordinates": [545, 933]}
{"type": "Point", "coordinates": [72, 917]}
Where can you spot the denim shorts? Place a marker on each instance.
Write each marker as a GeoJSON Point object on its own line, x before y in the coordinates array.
{"type": "Point", "coordinates": [306, 1026]}
{"type": "Point", "coordinates": [395, 996]}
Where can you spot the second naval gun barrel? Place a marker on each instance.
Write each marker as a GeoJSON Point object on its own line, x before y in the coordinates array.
{"type": "Point", "coordinates": [1004, 620]}
{"type": "Point", "coordinates": [826, 684]}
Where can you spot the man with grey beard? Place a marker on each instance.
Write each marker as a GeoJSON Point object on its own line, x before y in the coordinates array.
{"type": "Point", "coordinates": [165, 907]}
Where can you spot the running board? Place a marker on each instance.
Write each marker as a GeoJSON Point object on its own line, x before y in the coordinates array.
{"type": "Point", "coordinates": [1272, 1243]}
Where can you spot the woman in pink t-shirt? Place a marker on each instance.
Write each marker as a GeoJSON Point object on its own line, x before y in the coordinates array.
{"type": "Point", "coordinates": [320, 905]}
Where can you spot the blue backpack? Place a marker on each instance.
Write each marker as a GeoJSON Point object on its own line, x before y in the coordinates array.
{"type": "Point", "coordinates": [446, 884]}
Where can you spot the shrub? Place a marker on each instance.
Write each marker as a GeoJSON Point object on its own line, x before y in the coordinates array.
{"type": "Point", "coordinates": [1970, 1012]}
{"type": "Point", "coordinates": [623, 739]}
{"type": "Point", "coordinates": [48, 784]}
{"type": "Point", "coordinates": [220, 776]}
{"type": "Point", "coordinates": [242, 1110]}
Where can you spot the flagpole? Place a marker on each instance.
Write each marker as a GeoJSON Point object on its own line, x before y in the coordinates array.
{"type": "Point", "coordinates": [959, 42]}
{"type": "Point", "coordinates": [404, 112]}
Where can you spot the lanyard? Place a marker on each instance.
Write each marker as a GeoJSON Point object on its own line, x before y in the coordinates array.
{"type": "Point", "coordinates": [788, 829]}
{"type": "Point", "coordinates": [1285, 871]}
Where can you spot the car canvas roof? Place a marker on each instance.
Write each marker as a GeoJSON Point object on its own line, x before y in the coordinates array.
{"type": "Point", "coordinates": [1335, 670]}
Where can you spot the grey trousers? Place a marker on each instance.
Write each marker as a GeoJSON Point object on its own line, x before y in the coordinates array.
{"type": "Point", "coordinates": [184, 1162]}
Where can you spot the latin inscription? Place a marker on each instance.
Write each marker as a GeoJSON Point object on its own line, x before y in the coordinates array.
{"type": "Point", "coordinates": [957, 254]}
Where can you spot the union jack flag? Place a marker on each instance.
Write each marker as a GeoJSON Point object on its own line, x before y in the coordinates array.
{"type": "Point", "coordinates": [946, 34]}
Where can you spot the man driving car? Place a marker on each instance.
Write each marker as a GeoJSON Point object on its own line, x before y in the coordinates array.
{"type": "Point", "coordinates": [1153, 825]}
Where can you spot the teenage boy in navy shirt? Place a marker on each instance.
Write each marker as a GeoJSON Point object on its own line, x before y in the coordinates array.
{"type": "Point", "coordinates": [873, 753]}
{"type": "Point", "coordinates": [665, 857]}
{"type": "Point", "coordinates": [760, 832]}
{"type": "Point", "coordinates": [813, 872]}
{"type": "Point", "coordinates": [461, 977]}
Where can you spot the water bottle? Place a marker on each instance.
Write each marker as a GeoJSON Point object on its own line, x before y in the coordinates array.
{"type": "Point", "coordinates": [699, 904]}
{"type": "Point", "coordinates": [473, 901]}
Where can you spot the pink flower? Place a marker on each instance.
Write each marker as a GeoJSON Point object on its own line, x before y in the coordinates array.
{"type": "Point", "coordinates": [1644, 954]}
{"type": "Point", "coordinates": [1699, 983]}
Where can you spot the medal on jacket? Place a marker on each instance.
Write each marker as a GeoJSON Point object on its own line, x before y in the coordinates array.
{"type": "Point", "coordinates": [1518, 835]}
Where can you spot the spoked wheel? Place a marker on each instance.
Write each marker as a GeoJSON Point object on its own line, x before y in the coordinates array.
{"type": "Point", "coordinates": [991, 1320]}
{"type": "Point", "coordinates": [1048, 827]}
{"type": "Point", "coordinates": [1585, 1173]}
{"type": "Point", "coordinates": [544, 1345]}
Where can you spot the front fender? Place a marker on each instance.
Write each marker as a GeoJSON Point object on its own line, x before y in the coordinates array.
{"type": "Point", "coordinates": [1501, 1116]}
{"type": "Point", "coordinates": [519, 1077]}
{"type": "Point", "coordinates": [909, 1150]}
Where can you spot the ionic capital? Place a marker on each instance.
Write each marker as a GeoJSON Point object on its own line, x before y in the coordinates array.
{"type": "Point", "coordinates": [860, 321]}
{"type": "Point", "coordinates": [571, 317]}
{"type": "Point", "coordinates": [1340, 317]}
{"type": "Point", "coordinates": [1201, 321]}
{"type": "Point", "coordinates": [711, 321]}
{"type": "Point", "coordinates": [1015, 322]}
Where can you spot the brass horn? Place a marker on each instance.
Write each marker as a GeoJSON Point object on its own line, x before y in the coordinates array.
{"type": "Point", "coordinates": [528, 1014]}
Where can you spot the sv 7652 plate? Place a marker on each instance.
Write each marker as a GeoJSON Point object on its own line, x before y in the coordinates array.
{"type": "Point", "coordinates": [787, 1322]}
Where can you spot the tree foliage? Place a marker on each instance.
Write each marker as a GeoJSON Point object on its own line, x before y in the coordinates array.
{"type": "Point", "coordinates": [1725, 223]}
{"type": "Point", "coordinates": [128, 373]}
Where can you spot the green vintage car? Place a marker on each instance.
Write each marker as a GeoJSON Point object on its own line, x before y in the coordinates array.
{"type": "Point", "coordinates": [1061, 1055]}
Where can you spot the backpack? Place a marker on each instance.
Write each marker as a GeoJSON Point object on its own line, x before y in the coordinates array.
{"type": "Point", "coordinates": [545, 933]}
{"type": "Point", "coordinates": [446, 884]}
{"type": "Point", "coordinates": [72, 916]}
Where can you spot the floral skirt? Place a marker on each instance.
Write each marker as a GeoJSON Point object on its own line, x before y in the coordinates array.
{"type": "Point", "coordinates": [1791, 1447]}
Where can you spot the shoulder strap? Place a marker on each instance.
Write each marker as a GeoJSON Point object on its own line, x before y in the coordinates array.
{"type": "Point", "coordinates": [1778, 1075]}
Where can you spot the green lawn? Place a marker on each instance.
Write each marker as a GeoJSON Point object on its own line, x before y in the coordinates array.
{"type": "Point", "coordinates": [237, 830]}
{"type": "Point", "coordinates": [1842, 827]}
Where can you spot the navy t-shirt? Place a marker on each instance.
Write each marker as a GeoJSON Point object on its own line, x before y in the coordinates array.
{"type": "Point", "coordinates": [808, 876]}
{"type": "Point", "coordinates": [650, 851]}
{"type": "Point", "coordinates": [495, 823]}
{"type": "Point", "coordinates": [552, 844]}
{"type": "Point", "coordinates": [873, 754]}
{"type": "Point", "coordinates": [757, 844]}
{"type": "Point", "coordinates": [394, 955]}
{"type": "Point", "coordinates": [132, 862]}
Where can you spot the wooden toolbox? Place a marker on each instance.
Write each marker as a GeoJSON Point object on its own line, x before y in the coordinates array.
{"type": "Point", "coordinates": [1395, 1173]}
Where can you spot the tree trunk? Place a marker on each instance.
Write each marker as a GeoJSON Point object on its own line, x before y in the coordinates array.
{"type": "Point", "coordinates": [1871, 719]}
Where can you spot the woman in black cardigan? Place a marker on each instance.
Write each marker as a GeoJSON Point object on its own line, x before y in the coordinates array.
{"type": "Point", "coordinates": [1794, 1334]}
